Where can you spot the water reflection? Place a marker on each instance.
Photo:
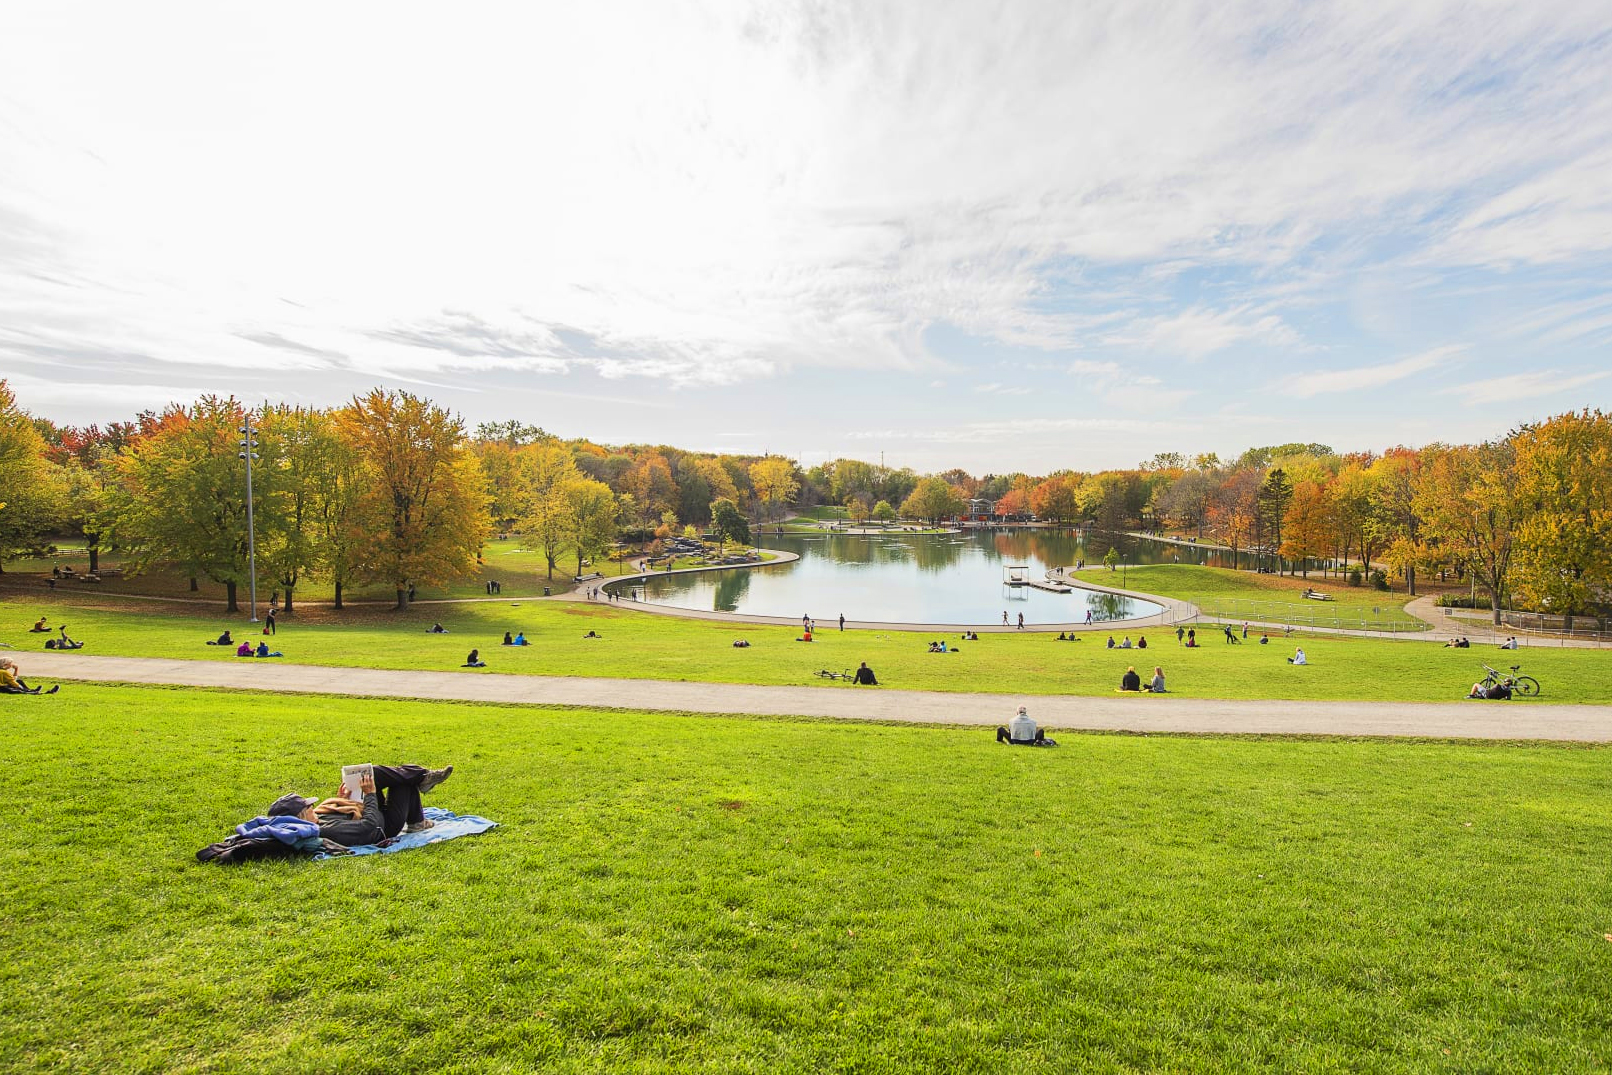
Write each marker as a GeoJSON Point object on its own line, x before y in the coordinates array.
{"type": "Point", "coordinates": [917, 578]}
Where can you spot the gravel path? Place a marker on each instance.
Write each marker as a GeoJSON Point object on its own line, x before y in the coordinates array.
{"type": "Point", "coordinates": [1132, 713]}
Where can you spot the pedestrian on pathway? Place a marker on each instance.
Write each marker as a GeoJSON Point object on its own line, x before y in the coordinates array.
{"type": "Point", "coordinates": [1004, 618]}
{"type": "Point", "coordinates": [1021, 621]}
{"type": "Point", "coordinates": [842, 626]}
{"type": "Point", "coordinates": [1088, 617]}
{"type": "Point", "coordinates": [1245, 628]}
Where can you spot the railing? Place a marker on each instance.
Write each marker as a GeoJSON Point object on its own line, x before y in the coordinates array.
{"type": "Point", "coordinates": [1301, 617]}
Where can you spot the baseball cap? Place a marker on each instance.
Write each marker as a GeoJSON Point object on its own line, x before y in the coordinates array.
{"type": "Point", "coordinates": [290, 805]}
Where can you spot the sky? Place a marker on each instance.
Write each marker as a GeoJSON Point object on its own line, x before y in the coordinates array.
{"type": "Point", "coordinates": [1026, 236]}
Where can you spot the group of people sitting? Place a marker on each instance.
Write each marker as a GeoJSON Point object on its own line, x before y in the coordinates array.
{"type": "Point", "coordinates": [1130, 681]}
{"type": "Point", "coordinates": [517, 639]}
{"type": "Point", "coordinates": [245, 650]}
{"type": "Point", "coordinates": [1459, 643]}
{"type": "Point", "coordinates": [1070, 637]}
{"type": "Point", "coordinates": [940, 647]}
{"type": "Point", "coordinates": [1141, 642]}
{"type": "Point", "coordinates": [382, 807]}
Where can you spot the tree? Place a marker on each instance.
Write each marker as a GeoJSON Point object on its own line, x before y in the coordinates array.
{"type": "Point", "coordinates": [1564, 486]}
{"type": "Point", "coordinates": [729, 524]}
{"type": "Point", "coordinates": [774, 481]}
{"type": "Point", "coordinates": [591, 510]}
{"type": "Point", "coordinates": [1275, 493]}
{"type": "Point", "coordinates": [858, 505]}
{"type": "Point", "coordinates": [884, 512]}
{"type": "Point", "coordinates": [933, 500]}
{"type": "Point", "coordinates": [1186, 500]}
{"type": "Point", "coordinates": [180, 496]}
{"type": "Point", "coordinates": [299, 448]}
{"type": "Point", "coordinates": [1396, 519]}
{"type": "Point", "coordinates": [1235, 508]}
{"type": "Point", "coordinates": [1308, 525]}
{"type": "Point", "coordinates": [1465, 499]}
{"type": "Point", "coordinates": [1056, 499]}
{"type": "Point", "coordinates": [30, 497]}
{"type": "Point", "coordinates": [541, 476]}
{"type": "Point", "coordinates": [1013, 502]}
{"type": "Point", "coordinates": [650, 482]}
{"type": "Point", "coordinates": [425, 516]}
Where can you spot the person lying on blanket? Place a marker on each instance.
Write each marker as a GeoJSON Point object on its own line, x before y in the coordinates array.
{"type": "Point", "coordinates": [389, 803]}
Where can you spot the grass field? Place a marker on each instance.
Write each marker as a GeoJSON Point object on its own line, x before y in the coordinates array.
{"type": "Point", "coordinates": [724, 895]}
{"type": "Point", "coordinates": [638, 645]}
{"type": "Point", "coordinates": [1248, 595]}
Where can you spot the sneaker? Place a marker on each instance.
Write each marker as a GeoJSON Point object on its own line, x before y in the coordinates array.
{"type": "Point", "coordinates": [433, 777]}
{"type": "Point", "coordinates": [54, 689]}
{"type": "Point", "coordinates": [420, 826]}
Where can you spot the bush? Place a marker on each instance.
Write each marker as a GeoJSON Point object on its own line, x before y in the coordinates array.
{"type": "Point", "coordinates": [1461, 600]}
{"type": "Point", "coordinates": [1379, 579]}
{"type": "Point", "coordinates": [1354, 576]}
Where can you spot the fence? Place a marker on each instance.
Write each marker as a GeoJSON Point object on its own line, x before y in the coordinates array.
{"type": "Point", "coordinates": [1382, 619]}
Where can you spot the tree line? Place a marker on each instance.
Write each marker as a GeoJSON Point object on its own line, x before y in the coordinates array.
{"type": "Point", "coordinates": [392, 489]}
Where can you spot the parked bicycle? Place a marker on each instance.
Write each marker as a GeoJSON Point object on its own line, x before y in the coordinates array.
{"type": "Point", "coordinates": [1527, 686]}
{"type": "Point", "coordinates": [846, 675]}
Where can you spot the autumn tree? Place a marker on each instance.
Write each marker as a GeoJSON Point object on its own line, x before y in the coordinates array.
{"type": "Point", "coordinates": [1056, 499]}
{"type": "Point", "coordinates": [884, 512]}
{"type": "Point", "coordinates": [1465, 500]}
{"type": "Point", "coordinates": [1275, 493]}
{"type": "Point", "coordinates": [1308, 525]}
{"type": "Point", "coordinates": [933, 500]}
{"type": "Point", "coordinates": [425, 515]}
{"type": "Point", "coordinates": [1396, 519]}
{"type": "Point", "coordinates": [1564, 488]}
{"type": "Point", "coordinates": [774, 481]}
{"type": "Point", "coordinates": [542, 474]}
{"type": "Point", "coordinates": [29, 493]}
{"type": "Point", "coordinates": [590, 513]}
{"type": "Point", "coordinates": [650, 482]}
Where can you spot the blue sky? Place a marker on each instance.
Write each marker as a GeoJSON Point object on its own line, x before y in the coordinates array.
{"type": "Point", "coordinates": [1033, 237]}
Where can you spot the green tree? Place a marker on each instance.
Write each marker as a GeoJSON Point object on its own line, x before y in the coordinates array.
{"type": "Point", "coordinates": [591, 511]}
{"type": "Point", "coordinates": [544, 473]}
{"type": "Point", "coordinates": [933, 500]}
{"type": "Point", "coordinates": [425, 516]}
{"type": "Point", "coordinates": [729, 524]}
{"type": "Point", "coordinates": [180, 496]}
{"type": "Point", "coordinates": [1275, 493]}
{"type": "Point", "coordinates": [883, 512]}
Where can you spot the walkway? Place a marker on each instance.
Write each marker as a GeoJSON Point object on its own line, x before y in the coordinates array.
{"type": "Point", "coordinates": [1130, 713]}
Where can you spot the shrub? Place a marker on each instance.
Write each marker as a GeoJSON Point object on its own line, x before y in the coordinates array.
{"type": "Point", "coordinates": [1379, 579]}
{"type": "Point", "coordinates": [1354, 576]}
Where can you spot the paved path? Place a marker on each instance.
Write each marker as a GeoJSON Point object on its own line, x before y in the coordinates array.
{"type": "Point", "coordinates": [1134, 713]}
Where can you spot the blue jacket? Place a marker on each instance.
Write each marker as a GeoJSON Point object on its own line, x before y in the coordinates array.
{"type": "Point", "coordinates": [288, 830]}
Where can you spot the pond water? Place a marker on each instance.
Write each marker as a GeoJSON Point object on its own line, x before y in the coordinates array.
{"type": "Point", "coordinates": [937, 578]}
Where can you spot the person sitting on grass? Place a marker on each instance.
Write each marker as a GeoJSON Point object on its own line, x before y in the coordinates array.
{"type": "Point", "coordinates": [1130, 681]}
{"type": "Point", "coordinates": [593, 634]}
{"type": "Point", "coordinates": [1023, 732]}
{"type": "Point", "coordinates": [1156, 684]}
{"type": "Point", "coordinates": [1264, 639]}
{"type": "Point", "coordinates": [741, 643]}
{"type": "Point", "coordinates": [222, 640]}
{"type": "Point", "coordinates": [263, 651]}
{"type": "Point", "coordinates": [1062, 637]}
{"type": "Point", "coordinates": [520, 639]}
{"type": "Point", "coordinates": [937, 647]}
{"type": "Point", "coordinates": [865, 676]}
{"type": "Point", "coordinates": [1110, 641]}
{"type": "Point", "coordinates": [244, 650]}
{"type": "Point", "coordinates": [1192, 639]}
{"type": "Point", "coordinates": [1510, 643]}
{"type": "Point", "coordinates": [1141, 642]}
{"type": "Point", "coordinates": [437, 629]}
{"type": "Point", "coordinates": [11, 681]}
{"type": "Point", "coordinates": [389, 804]}
{"type": "Point", "coordinates": [474, 660]}
{"type": "Point", "coordinates": [40, 628]}
{"type": "Point", "coordinates": [1298, 657]}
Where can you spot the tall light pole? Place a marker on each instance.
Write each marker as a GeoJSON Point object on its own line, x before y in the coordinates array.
{"type": "Point", "coordinates": [248, 442]}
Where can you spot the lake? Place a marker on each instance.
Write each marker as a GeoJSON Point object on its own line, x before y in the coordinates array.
{"type": "Point", "coordinates": [937, 578]}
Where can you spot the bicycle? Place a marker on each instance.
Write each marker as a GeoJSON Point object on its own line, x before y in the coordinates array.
{"type": "Point", "coordinates": [1527, 686]}
{"type": "Point", "coordinates": [824, 673]}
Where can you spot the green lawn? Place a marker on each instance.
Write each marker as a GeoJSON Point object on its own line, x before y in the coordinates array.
{"type": "Point", "coordinates": [644, 646]}
{"type": "Point", "coordinates": [1252, 596]}
{"type": "Point", "coordinates": [678, 893]}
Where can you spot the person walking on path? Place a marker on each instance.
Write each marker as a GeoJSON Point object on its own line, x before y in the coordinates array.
{"type": "Point", "coordinates": [842, 621]}
{"type": "Point", "coordinates": [1004, 618]}
{"type": "Point", "coordinates": [1021, 621]}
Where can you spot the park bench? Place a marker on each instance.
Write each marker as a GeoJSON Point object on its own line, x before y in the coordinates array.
{"type": "Point", "coordinates": [1315, 595]}
{"type": "Point", "coordinates": [590, 576]}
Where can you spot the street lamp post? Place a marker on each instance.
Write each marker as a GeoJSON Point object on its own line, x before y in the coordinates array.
{"type": "Point", "coordinates": [248, 442]}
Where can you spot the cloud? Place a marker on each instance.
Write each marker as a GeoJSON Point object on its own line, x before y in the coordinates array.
{"type": "Point", "coordinates": [999, 389]}
{"type": "Point", "coordinates": [1199, 331]}
{"type": "Point", "coordinates": [1522, 386]}
{"type": "Point", "coordinates": [1308, 385]}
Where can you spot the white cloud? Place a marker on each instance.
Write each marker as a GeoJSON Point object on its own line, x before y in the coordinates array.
{"type": "Point", "coordinates": [1199, 331]}
{"type": "Point", "coordinates": [1310, 384]}
{"type": "Point", "coordinates": [1522, 386]}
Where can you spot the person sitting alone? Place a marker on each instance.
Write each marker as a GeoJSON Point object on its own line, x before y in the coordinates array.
{"type": "Point", "coordinates": [223, 640]}
{"type": "Point", "coordinates": [1130, 681]}
{"type": "Point", "coordinates": [474, 660]}
{"type": "Point", "coordinates": [389, 804]}
{"type": "Point", "coordinates": [1496, 691]}
{"type": "Point", "coordinates": [40, 628]}
{"type": "Point", "coordinates": [805, 636]}
{"type": "Point", "coordinates": [865, 676]}
{"type": "Point", "coordinates": [1023, 732]}
{"type": "Point", "coordinates": [1264, 639]}
{"type": "Point", "coordinates": [63, 642]}
{"type": "Point", "coordinates": [593, 634]}
{"type": "Point", "coordinates": [1156, 684]}
{"type": "Point", "coordinates": [263, 651]}
{"type": "Point", "coordinates": [1141, 642]}
{"type": "Point", "coordinates": [437, 629]}
{"type": "Point", "coordinates": [11, 681]}
{"type": "Point", "coordinates": [1298, 657]}
{"type": "Point", "coordinates": [741, 643]}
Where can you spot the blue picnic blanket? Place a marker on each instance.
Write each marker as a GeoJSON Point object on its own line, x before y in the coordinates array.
{"type": "Point", "coordinates": [449, 826]}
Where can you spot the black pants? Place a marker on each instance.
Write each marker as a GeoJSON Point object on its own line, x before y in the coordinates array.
{"type": "Point", "coordinates": [1002, 736]}
{"type": "Point", "coordinates": [399, 791]}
